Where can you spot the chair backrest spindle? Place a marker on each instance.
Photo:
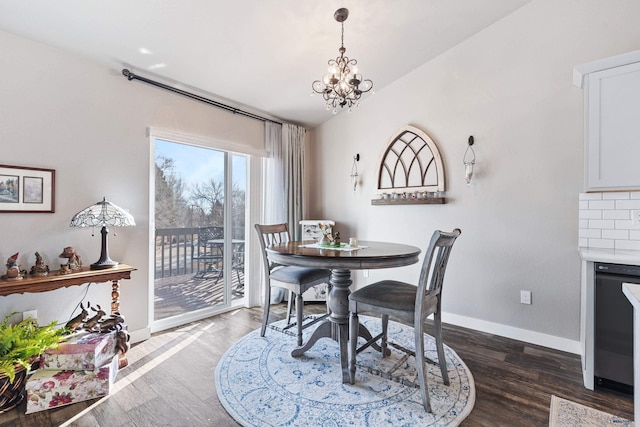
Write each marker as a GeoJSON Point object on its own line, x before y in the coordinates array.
{"type": "Point", "coordinates": [272, 234]}
{"type": "Point", "coordinates": [434, 267]}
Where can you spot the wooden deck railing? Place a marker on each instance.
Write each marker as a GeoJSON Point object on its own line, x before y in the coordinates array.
{"type": "Point", "coordinates": [177, 251]}
{"type": "Point", "coordinates": [173, 251]}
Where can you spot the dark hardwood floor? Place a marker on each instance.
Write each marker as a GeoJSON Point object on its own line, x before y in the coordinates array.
{"type": "Point", "coordinates": [170, 380]}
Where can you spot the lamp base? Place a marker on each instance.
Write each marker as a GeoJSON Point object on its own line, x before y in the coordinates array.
{"type": "Point", "coordinates": [104, 262]}
{"type": "Point", "coordinates": [102, 265]}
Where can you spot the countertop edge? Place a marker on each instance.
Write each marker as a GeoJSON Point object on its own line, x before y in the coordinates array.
{"type": "Point", "coordinates": [615, 256]}
{"type": "Point", "coordinates": [632, 292]}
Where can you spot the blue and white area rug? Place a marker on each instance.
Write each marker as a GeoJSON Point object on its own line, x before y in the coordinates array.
{"type": "Point", "coordinates": [260, 384]}
{"type": "Point", "coordinates": [565, 413]}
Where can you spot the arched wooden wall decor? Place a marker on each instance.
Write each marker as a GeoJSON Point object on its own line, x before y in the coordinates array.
{"type": "Point", "coordinates": [411, 169]}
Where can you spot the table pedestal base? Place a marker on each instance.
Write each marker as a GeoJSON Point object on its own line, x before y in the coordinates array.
{"type": "Point", "coordinates": [336, 326]}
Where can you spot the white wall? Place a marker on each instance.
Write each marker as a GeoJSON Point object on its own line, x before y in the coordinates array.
{"type": "Point", "coordinates": [511, 87]}
{"type": "Point", "coordinates": [89, 123]}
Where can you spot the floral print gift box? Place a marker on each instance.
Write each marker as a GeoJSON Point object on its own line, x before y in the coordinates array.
{"type": "Point", "coordinates": [48, 389]}
{"type": "Point", "coordinates": [82, 352]}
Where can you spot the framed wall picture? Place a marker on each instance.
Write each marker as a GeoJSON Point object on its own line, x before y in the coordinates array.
{"type": "Point", "coordinates": [24, 189]}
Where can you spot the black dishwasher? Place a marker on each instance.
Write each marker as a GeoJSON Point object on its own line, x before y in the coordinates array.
{"type": "Point", "coordinates": [613, 358]}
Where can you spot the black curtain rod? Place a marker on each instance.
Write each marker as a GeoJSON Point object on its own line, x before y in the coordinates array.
{"type": "Point", "coordinates": [131, 76]}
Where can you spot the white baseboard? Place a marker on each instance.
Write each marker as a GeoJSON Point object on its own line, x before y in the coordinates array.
{"type": "Point", "coordinates": [511, 332]}
{"type": "Point", "coordinates": [532, 337]}
{"type": "Point", "coordinates": [139, 335]}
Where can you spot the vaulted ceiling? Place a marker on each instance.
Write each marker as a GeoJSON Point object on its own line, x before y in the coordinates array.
{"type": "Point", "coordinates": [258, 54]}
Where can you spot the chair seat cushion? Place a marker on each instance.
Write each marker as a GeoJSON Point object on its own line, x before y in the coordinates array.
{"type": "Point", "coordinates": [387, 293]}
{"type": "Point", "coordinates": [299, 275]}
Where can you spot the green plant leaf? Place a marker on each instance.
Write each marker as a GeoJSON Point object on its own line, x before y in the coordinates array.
{"type": "Point", "coordinates": [22, 342]}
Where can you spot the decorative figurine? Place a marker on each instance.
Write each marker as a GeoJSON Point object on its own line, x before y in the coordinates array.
{"type": "Point", "coordinates": [111, 323]}
{"type": "Point", "coordinates": [76, 323]}
{"type": "Point", "coordinates": [13, 270]}
{"type": "Point", "coordinates": [328, 238]}
{"type": "Point", "coordinates": [122, 341]}
{"type": "Point", "coordinates": [40, 268]}
{"type": "Point", "coordinates": [73, 264]}
{"type": "Point", "coordinates": [90, 324]}
{"type": "Point", "coordinates": [122, 345]}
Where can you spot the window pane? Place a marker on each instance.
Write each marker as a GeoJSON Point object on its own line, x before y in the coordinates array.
{"type": "Point", "coordinates": [190, 195]}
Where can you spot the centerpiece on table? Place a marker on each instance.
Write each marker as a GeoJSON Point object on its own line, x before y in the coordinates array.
{"type": "Point", "coordinates": [328, 237]}
{"type": "Point", "coordinates": [20, 346]}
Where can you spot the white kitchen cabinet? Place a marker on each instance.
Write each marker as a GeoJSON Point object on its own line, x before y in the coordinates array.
{"type": "Point", "coordinates": [612, 122]}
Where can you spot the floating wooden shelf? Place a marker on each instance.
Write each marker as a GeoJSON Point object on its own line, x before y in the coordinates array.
{"type": "Point", "coordinates": [429, 201]}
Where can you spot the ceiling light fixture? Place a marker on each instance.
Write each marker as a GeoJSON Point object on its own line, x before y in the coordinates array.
{"type": "Point", "coordinates": [342, 85]}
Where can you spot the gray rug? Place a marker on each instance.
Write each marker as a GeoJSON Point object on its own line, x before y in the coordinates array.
{"type": "Point", "coordinates": [260, 384]}
{"type": "Point", "coordinates": [565, 413]}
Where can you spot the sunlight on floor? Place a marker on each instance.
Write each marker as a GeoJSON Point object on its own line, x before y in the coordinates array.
{"type": "Point", "coordinates": [139, 372]}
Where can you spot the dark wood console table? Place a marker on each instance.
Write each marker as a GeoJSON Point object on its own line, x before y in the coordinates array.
{"type": "Point", "coordinates": [55, 281]}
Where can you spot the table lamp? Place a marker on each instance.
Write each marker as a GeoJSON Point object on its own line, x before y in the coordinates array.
{"type": "Point", "coordinates": [103, 213]}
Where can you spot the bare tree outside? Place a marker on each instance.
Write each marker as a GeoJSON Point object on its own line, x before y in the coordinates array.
{"type": "Point", "coordinates": [201, 204]}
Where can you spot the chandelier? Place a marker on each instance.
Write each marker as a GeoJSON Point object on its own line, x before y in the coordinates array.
{"type": "Point", "coordinates": [342, 85]}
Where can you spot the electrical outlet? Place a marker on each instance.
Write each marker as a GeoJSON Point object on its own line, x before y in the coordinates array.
{"type": "Point", "coordinates": [525, 297]}
{"type": "Point", "coordinates": [635, 217]}
{"type": "Point", "coordinates": [31, 313]}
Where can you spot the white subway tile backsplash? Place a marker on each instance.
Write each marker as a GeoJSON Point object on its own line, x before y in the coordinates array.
{"type": "Point", "coordinates": [602, 204]}
{"type": "Point", "coordinates": [628, 244]}
{"type": "Point", "coordinates": [602, 243]}
{"type": "Point", "coordinates": [615, 195]}
{"type": "Point", "coordinates": [591, 233]}
{"type": "Point", "coordinates": [615, 234]}
{"type": "Point", "coordinates": [608, 224]}
{"type": "Point", "coordinates": [588, 214]}
{"type": "Point", "coordinates": [590, 196]}
{"type": "Point", "coordinates": [619, 214]}
{"type": "Point", "coordinates": [628, 204]}
{"type": "Point", "coordinates": [626, 224]}
{"type": "Point", "coordinates": [604, 220]}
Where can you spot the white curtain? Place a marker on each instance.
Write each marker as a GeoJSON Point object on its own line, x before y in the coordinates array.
{"type": "Point", "coordinates": [283, 183]}
{"type": "Point", "coordinates": [293, 147]}
{"type": "Point", "coordinates": [274, 206]}
{"type": "Point", "coordinates": [284, 176]}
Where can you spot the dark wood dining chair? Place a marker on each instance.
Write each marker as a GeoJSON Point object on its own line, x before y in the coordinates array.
{"type": "Point", "coordinates": [408, 304]}
{"type": "Point", "coordinates": [294, 279]}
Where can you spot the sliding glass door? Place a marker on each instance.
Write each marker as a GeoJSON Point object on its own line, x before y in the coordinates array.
{"type": "Point", "coordinates": [199, 215]}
